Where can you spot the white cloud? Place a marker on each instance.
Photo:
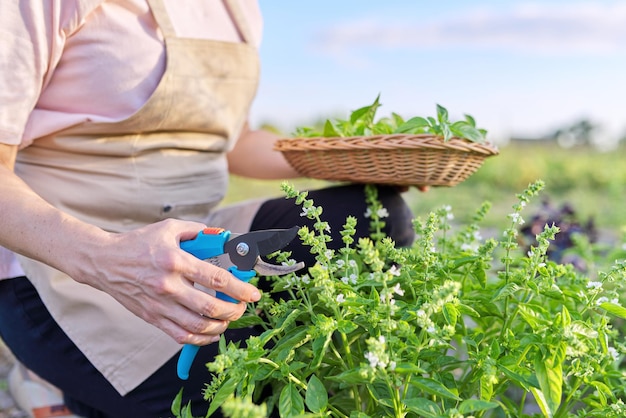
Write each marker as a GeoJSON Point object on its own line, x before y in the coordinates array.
{"type": "Point", "coordinates": [586, 28]}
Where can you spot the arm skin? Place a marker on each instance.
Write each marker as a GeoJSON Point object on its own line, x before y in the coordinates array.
{"type": "Point", "coordinates": [253, 156]}
{"type": "Point", "coordinates": [159, 290]}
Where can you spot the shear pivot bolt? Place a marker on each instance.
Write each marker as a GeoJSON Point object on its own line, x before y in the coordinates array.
{"type": "Point", "coordinates": [242, 248]}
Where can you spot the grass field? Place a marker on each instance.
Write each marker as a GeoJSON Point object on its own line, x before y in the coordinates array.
{"type": "Point", "coordinates": [592, 182]}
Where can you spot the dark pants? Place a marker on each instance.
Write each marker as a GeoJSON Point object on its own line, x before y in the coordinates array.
{"type": "Point", "coordinates": [36, 340]}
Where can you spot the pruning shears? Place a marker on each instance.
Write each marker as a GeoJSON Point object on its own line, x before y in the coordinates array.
{"type": "Point", "coordinates": [244, 251]}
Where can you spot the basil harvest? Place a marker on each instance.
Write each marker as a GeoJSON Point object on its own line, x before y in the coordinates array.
{"type": "Point", "coordinates": [363, 122]}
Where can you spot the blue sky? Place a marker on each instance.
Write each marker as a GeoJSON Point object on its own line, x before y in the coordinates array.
{"type": "Point", "coordinates": [519, 67]}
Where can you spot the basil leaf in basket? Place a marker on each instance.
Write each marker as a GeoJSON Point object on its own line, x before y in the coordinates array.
{"type": "Point", "coordinates": [442, 115]}
{"type": "Point", "coordinates": [463, 129]}
{"type": "Point", "coordinates": [329, 130]}
{"type": "Point", "coordinates": [363, 122]}
{"type": "Point", "coordinates": [363, 119]}
{"type": "Point", "coordinates": [385, 126]}
{"type": "Point", "coordinates": [416, 125]}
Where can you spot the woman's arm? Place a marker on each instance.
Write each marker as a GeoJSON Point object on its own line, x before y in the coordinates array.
{"type": "Point", "coordinates": [253, 156]}
{"type": "Point", "coordinates": [158, 289]}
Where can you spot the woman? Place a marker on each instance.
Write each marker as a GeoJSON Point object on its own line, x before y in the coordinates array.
{"type": "Point", "coordinates": [120, 123]}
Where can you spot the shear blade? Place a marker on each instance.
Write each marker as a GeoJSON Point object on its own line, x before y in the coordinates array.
{"type": "Point", "coordinates": [267, 269]}
{"type": "Point", "coordinates": [276, 239]}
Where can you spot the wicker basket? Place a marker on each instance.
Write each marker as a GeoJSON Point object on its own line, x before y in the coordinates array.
{"type": "Point", "coordinates": [408, 160]}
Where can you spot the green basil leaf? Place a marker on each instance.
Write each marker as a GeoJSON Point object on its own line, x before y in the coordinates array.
{"type": "Point", "coordinates": [423, 407]}
{"type": "Point", "coordinates": [450, 313]}
{"type": "Point", "coordinates": [446, 132]}
{"type": "Point", "coordinates": [442, 115]}
{"type": "Point", "coordinates": [486, 387]}
{"type": "Point", "coordinates": [614, 309]}
{"type": "Point", "coordinates": [329, 130]}
{"type": "Point", "coordinates": [506, 290]}
{"type": "Point", "coordinates": [475, 405]}
{"type": "Point", "coordinates": [226, 389]}
{"type": "Point", "coordinates": [346, 326]}
{"type": "Point", "coordinates": [542, 402]}
{"type": "Point", "coordinates": [246, 321]}
{"type": "Point", "coordinates": [469, 119]}
{"type": "Point", "coordinates": [523, 381]}
{"type": "Point", "coordinates": [464, 130]}
{"type": "Point", "coordinates": [397, 119]}
{"type": "Point", "coordinates": [603, 390]}
{"type": "Point", "coordinates": [316, 397]}
{"type": "Point", "coordinates": [408, 368]}
{"type": "Point", "coordinates": [434, 387]}
{"type": "Point", "coordinates": [320, 346]}
{"type": "Point", "coordinates": [494, 349]}
{"type": "Point", "coordinates": [478, 272]}
{"type": "Point", "coordinates": [290, 402]}
{"type": "Point", "coordinates": [414, 125]}
{"type": "Point", "coordinates": [176, 404]}
{"type": "Point", "coordinates": [550, 377]}
{"type": "Point", "coordinates": [365, 114]}
{"type": "Point", "coordinates": [468, 310]}
{"type": "Point", "coordinates": [358, 414]}
{"type": "Point", "coordinates": [383, 127]}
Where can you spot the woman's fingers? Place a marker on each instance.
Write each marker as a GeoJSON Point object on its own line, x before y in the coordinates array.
{"type": "Point", "coordinates": [211, 331]}
{"type": "Point", "coordinates": [215, 278]}
{"type": "Point", "coordinates": [147, 272]}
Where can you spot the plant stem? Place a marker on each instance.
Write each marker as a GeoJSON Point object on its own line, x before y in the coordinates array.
{"type": "Point", "coordinates": [507, 275]}
{"type": "Point", "coordinates": [336, 411]}
{"type": "Point", "coordinates": [355, 389]}
{"type": "Point", "coordinates": [522, 403]}
{"type": "Point", "coordinates": [526, 298]}
{"type": "Point", "coordinates": [304, 297]}
{"type": "Point", "coordinates": [397, 401]}
{"type": "Point", "coordinates": [290, 376]}
{"type": "Point", "coordinates": [521, 358]}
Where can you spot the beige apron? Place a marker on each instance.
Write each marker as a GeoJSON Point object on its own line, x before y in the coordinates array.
{"type": "Point", "coordinates": [165, 161]}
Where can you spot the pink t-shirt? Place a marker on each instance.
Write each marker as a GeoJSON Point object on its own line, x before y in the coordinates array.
{"type": "Point", "coordinates": [63, 62]}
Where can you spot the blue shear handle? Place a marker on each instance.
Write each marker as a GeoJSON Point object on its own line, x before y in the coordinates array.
{"type": "Point", "coordinates": [189, 351]}
{"type": "Point", "coordinates": [187, 354]}
{"type": "Point", "coordinates": [206, 244]}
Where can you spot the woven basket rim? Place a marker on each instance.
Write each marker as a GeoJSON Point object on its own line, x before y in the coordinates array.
{"type": "Point", "coordinates": [388, 141]}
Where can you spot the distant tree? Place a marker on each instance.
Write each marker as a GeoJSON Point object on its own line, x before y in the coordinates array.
{"type": "Point", "coordinates": [578, 134]}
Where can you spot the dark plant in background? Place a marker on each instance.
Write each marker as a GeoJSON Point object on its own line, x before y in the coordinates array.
{"type": "Point", "coordinates": [571, 229]}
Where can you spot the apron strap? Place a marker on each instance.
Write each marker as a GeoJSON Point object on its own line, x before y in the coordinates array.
{"type": "Point", "coordinates": [165, 24]}
{"type": "Point", "coordinates": [232, 6]}
{"type": "Point", "coordinates": [162, 18]}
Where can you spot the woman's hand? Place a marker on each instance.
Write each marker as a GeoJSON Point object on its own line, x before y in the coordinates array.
{"type": "Point", "coordinates": [403, 189]}
{"type": "Point", "coordinates": [147, 272]}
